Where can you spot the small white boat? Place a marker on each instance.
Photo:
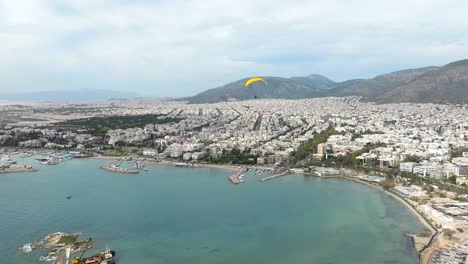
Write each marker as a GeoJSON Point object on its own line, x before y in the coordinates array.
{"type": "Point", "coordinates": [108, 254]}
{"type": "Point", "coordinates": [47, 258]}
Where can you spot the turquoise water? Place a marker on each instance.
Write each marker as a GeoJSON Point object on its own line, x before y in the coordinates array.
{"type": "Point", "coordinates": [183, 215]}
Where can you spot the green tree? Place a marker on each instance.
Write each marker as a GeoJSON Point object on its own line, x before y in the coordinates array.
{"type": "Point", "coordinates": [387, 184]}
{"type": "Point", "coordinates": [448, 232]}
{"type": "Point", "coordinates": [424, 234]}
{"type": "Point", "coordinates": [412, 158]}
{"type": "Point", "coordinates": [452, 179]}
{"type": "Point", "coordinates": [461, 199]}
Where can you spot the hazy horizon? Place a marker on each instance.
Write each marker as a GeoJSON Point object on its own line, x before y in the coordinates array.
{"type": "Point", "coordinates": [180, 48]}
{"type": "Point", "coordinates": [129, 94]}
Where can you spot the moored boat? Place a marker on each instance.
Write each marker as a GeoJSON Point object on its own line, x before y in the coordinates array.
{"type": "Point", "coordinates": [105, 257]}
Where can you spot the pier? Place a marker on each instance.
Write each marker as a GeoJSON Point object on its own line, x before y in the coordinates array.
{"type": "Point", "coordinates": [17, 170]}
{"type": "Point", "coordinates": [235, 178]}
{"type": "Point", "coordinates": [274, 176]}
{"type": "Point", "coordinates": [115, 167]}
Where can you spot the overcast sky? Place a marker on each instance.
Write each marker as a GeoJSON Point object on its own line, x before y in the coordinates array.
{"type": "Point", "coordinates": [181, 47]}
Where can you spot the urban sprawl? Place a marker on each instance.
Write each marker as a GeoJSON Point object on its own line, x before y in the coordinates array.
{"type": "Point", "coordinates": [416, 152]}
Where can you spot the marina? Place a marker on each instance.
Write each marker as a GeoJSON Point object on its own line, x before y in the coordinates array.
{"type": "Point", "coordinates": [237, 177]}
{"type": "Point", "coordinates": [54, 158]}
{"type": "Point", "coordinates": [8, 165]}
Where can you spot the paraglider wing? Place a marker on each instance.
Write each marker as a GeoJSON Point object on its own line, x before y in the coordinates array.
{"type": "Point", "coordinates": [255, 79]}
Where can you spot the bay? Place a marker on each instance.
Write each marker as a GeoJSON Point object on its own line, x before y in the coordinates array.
{"type": "Point", "coordinates": [194, 215]}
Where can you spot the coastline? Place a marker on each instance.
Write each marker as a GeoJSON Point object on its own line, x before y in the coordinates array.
{"type": "Point", "coordinates": [400, 199]}
{"type": "Point", "coordinates": [234, 168]}
{"type": "Point", "coordinates": [231, 168]}
{"type": "Point", "coordinates": [404, 246]}
{"type": "Point", "coordinates": [423, 254]}
{"type": "Point", "coordinates": [389, 193]}
{"type": "Point", "coordinates": [426, 249]}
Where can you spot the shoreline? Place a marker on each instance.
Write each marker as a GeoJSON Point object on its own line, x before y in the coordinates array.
{"type": "Point", "coordinates": [422, 254]}
{"type": "Point", "coordinates": [425, 252]}
{"type": "Point", "coordinates": [231, 168]}
{"type": "Point", "coordinates": [235, 168]}
{"type": "Point", "coordinates": [226, 167]}
{"type": "Point", "coordinates": [379, 188]}
{"type": "Point", "coordinates": [400, 199]}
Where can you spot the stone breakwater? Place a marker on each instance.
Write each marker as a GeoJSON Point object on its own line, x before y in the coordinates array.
{"type": "Point", "coordinates": [115, 167]}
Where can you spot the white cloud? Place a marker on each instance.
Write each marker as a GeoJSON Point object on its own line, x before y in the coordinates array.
{"type": "Point", "coordinates": [182, 47]}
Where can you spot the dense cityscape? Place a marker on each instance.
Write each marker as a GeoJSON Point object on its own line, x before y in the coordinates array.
{"type": "Point", "coordinates": [417, 152]}
{"type": "Point", "coordinates": [141, 132]}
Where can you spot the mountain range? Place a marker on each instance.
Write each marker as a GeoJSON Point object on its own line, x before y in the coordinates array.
{"type": "Point", "coordinates": [445, 84]}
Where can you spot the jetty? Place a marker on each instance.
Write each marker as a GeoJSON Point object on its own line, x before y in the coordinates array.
{"type": "Point", "coordinates": [236, 178]}
{"type": "Point", "coordinates": [274, 176]}
{"type": "Point", "coordinates": [115, 167]}
{"type": "Point", "coordinates": [17, 169]}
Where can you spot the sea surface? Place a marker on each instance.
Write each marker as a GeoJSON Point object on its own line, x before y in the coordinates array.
{"type": "Point", "coordinates": [194, 215]}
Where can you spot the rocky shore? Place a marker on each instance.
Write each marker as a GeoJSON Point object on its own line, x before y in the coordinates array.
{"type": "Point", "coordinates": [56, 244]}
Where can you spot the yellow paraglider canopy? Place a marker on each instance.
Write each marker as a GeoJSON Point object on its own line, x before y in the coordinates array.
{"type": "Point", "coordinates": [255, 79]}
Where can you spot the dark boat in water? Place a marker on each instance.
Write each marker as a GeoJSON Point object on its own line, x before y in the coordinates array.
{"type": "Point", "coordinates": [69, 197]}
{"type": "Point", "coordinates": [105, 257]}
